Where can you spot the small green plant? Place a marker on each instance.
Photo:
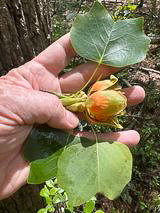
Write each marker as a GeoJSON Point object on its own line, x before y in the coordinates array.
{"type": "Point", "coordinates": [56, 200]}
{"type": "Point", "coordinates": [126, 10]}
{"type": "Point", "coordinates": [54, 196]}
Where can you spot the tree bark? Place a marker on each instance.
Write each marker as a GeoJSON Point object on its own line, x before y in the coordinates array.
{"type": "Point", "coordinates": [26, 200]}
{"type": "Point", "coordinates": [25, 30]}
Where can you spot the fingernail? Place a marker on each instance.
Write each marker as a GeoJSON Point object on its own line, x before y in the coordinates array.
{"type": "Point", "coordinates": [72, 119]}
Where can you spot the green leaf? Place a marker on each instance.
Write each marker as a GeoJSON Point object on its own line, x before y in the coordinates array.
{"type": "Point", "coordinates": [50, 208]}
{"type": "Point", "coordinates": [56, 199]}
{"type": "Point", "coordinates": [82, 167]}
{"type": "Point", "coordinates": [53, 191]}
{"type": "Point", "coordinates": [99, 211]}
{"type": "Point", "coordinates": [42, 211]}
{"type": "Point", "coordinates": [89, 206]}
{"type": "Point", "coordinates": [87, 168]}
{"type": "Point", "coordinates": [47, 145]}
{"type": "Point", "coordinates": [44, 141]}
{"type": "Point", "coordinates": [60, 190]}
{"type": "Point", "coordinates": [43, 169]}
{"type": "Point", "coordinates": [44, 192]}
{"type": "Point", "coordinates": [49, 200]}
{"type": "Point", "coordinates": [95, 36]}
{"type": "Point", "coordinates": [50, 183]}
{"type": "Point", "coordinates": [132, 7]}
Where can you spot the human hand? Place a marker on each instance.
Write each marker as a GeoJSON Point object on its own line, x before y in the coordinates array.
{"type": "Point", "coordinates": [22, 103]}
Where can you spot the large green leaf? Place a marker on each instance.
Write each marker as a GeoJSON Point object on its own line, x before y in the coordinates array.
{"type": "Point", "coordinates": [83, 167]}
{"type": "Point", "coordinates": [87, 168]}
{"type": "Point", "coordinates": [44, 169]}
{"type": "Point", "coordinates": [43, 148]}
{"type": "Point", "coordinates": [95, 36]}
{"type": "Point", "coordinates": [43, 141]}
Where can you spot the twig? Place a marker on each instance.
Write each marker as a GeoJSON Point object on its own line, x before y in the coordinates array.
{"type": "Point", "coordinates": [149, 70]}
{"type": "Point", "coordinates": [146, 69]}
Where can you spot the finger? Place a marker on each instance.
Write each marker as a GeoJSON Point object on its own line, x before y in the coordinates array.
{"type": "Point", "coordinates": [47, 108]}
{"type": "Point", "coordinates": [37, 77]}
{"type": "Point", "coordinates": [34, 106]}
{"type": "Point", "coordinates": [130, 137]}
{"type": "Point", "coordinates": [77, 78]}
{"type": "Point", "coordinates": [135, 95]}
{"type": "Point", "coordinates": [57, 55]}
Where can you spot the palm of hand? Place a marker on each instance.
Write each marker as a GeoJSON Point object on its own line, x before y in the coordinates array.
{"type": "Point", "coordinates": [19, 97]}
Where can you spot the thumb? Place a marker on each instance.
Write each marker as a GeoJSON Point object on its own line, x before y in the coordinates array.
{"type": "Point", "coordinates": [41, 107]}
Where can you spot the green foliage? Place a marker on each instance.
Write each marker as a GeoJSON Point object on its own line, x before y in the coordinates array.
{"type": "Point", "coordinates": [64, 14]}
{"type": "Point", "coordinates": [47, 145]}
{"type": "Point", "coordinates": [144, 187]}
{"type": "Point", "coordinates": [53, 196]}
{"type": "Point", "coordinates": [76, 162]}
{"type": "Point", "coordinates": [99, 211]}
{"type": "Point", "coordinates": [127, 9]}
{"type": "Point", "coordinates": [56, 200]}
{"type": "Point", "coordinates": [88, 169]}
{"type": "Point", "coordinates": [89, 206]}
{"type": "Point", "coordinates": [125, 12]}
{"type": "Point", "coordinates": [95, 36]}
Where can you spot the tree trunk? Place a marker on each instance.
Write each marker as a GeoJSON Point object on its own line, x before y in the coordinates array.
{"type": "Point", "coordinates": [25, 30]}
{"type": "Point", "coordinates": [26, 200]}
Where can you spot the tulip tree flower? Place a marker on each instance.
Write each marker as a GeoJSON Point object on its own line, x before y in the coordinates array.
{"type": "Point", "coordinates": [103, 103]}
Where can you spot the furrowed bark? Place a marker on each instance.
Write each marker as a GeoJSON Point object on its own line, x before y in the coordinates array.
{"type": "Point", "coordinates": [25, 30]}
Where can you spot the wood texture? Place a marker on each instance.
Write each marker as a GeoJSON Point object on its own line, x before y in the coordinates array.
{"type": "Point", "coordinates": [25, 30]}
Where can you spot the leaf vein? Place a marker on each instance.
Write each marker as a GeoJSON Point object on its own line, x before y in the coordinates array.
{"type": "Point", "coordinates": [99, 30]}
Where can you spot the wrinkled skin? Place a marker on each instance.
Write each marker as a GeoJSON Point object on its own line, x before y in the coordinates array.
{"type": "Point", "coordinates": [22, 104]}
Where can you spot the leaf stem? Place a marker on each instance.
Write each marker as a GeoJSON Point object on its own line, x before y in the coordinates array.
{"type": "Point", "coordinates": [94, 134]}
{"type": "Point", "coordinates": [91, 78]}
{"type": "Point", "coordinates": [54, 93]}
{"type": "Point", "coordinates": [97, 155]}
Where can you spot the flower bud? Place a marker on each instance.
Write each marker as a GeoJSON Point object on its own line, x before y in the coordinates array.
{"type": "Point", "coordinates": [103, 103]}
{"type": "Point", "coordinates": [103, 106]}
{"type": "Point", "coordinates": [104, 85]}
